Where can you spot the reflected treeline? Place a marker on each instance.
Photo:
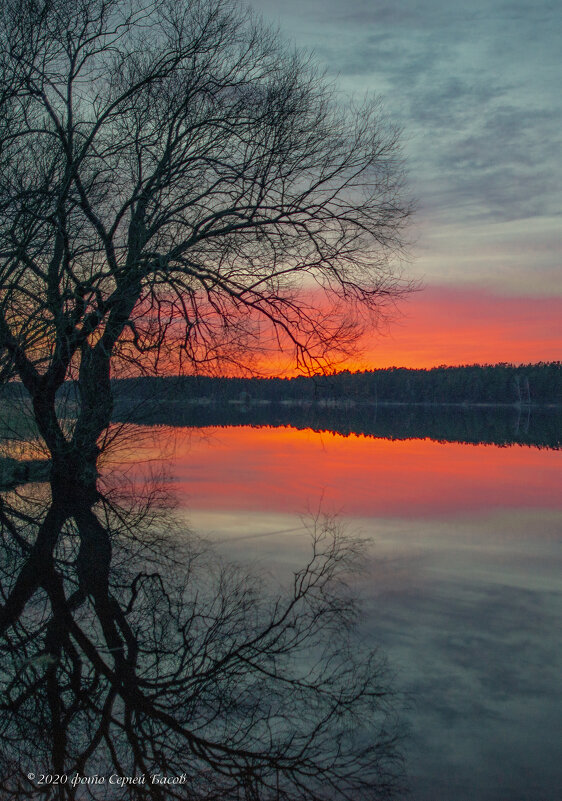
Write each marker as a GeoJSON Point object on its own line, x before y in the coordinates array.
{"type": "Point", "coordinates": [536, 426]}
{"type": "Point", "coordinates": [136, 664]}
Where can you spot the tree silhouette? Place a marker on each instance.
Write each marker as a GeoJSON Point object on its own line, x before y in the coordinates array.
{"type": "Point", "coordinates": [172, 176]}
{"type": "Point", "coordinates": [177, 185]}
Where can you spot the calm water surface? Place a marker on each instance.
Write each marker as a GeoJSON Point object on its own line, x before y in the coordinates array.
{"type": "Point", "coordinates": [462, 588]}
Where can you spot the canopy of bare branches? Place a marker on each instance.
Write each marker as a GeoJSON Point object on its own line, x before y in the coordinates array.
{"type": "Point", "coordinates": [170, 173]}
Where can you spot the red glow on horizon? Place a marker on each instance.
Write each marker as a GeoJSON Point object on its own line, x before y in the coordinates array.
{"type": "Point", "coordinates": [435, 326]}
{"type": "Point", "coordinates": [456, 326]}
{"type": "Point", "coordinates": [453, 326]}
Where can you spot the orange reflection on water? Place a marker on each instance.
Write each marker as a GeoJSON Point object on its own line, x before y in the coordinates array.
{"type": "Point", "coordinates": [287, 470]}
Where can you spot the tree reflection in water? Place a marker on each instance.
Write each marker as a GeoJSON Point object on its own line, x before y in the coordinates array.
{"type": "Point", "coordinates": [129, 649]}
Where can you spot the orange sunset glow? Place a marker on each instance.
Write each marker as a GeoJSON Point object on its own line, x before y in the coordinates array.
{"type": "Point", "coordinates": [434, 326]}
{"type": "Point", "coordinates": [455, 326]}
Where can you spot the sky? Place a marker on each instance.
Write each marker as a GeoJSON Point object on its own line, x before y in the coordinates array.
{"type": "Point", "coordinates": [476, 91]}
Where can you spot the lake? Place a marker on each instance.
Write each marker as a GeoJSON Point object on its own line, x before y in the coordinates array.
{"type": "Point", "coordinates": [461, 586]}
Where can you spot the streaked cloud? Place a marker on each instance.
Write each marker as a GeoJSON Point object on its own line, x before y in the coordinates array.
{"type": "Point", "coordinates": [476, 91]}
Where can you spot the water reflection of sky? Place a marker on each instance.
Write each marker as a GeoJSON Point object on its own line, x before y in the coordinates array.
{"type": "Point", "coordinates": [462, 587]}
{"type": "Point", "coordinates": [287, 470]}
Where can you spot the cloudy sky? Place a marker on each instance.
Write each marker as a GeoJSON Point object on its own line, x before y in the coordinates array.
{"type": "Point", "coordinates": [476, 90]}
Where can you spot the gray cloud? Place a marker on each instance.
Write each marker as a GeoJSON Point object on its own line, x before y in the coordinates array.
{"type": "Point", "coordinates": [475, 89]}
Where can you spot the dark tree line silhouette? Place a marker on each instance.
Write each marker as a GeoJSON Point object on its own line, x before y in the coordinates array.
{"type": "Point", "coordinates": [539, 383]}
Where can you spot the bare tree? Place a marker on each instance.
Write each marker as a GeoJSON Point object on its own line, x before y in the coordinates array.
{"type": "Point", "coordinates": [174, 175]}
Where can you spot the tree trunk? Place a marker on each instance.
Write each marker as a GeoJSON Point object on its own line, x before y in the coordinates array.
{"type": "Point", "coordinates": [74, 461]}
{"type": "Point", "coordinates": [96, 407]}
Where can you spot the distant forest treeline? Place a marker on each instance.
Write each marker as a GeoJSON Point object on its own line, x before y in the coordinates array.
{"type": "Point", "coordinates": [499, 384]}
